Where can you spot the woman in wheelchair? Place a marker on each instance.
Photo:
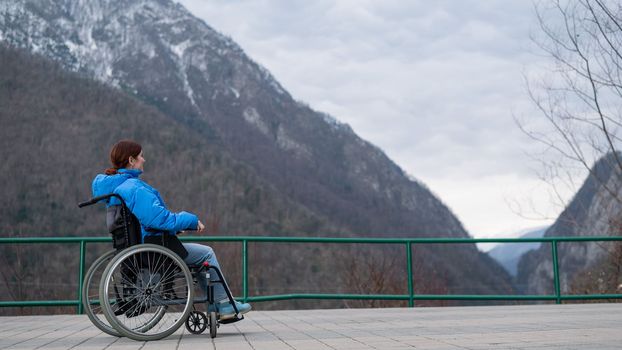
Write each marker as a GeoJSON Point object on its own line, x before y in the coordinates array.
{"type": "Point", "coordinates": [158, 224]}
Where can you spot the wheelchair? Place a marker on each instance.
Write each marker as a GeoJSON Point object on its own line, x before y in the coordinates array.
{"type": "Point", "coordinates": [145, 291]}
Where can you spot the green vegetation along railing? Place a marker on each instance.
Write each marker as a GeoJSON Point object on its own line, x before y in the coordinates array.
{"type": "Point", "coordinates": [406, 242]}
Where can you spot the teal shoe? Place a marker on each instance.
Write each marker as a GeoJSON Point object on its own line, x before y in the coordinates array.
{"type": "Point", "coordinates": [226, 310]}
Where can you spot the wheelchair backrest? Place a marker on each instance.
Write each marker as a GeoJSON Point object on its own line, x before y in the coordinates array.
{"type": "Point", "coordinates": [123, 226]}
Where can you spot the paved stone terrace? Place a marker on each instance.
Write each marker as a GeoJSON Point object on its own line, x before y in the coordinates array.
{"type": "Point", "coordinates": [585, 326]}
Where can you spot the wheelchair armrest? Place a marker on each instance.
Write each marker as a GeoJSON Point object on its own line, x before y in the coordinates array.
{"type": "Point", "coordinates": [99, 198]}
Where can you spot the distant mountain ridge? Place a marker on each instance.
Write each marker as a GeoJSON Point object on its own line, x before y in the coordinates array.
{"type": "Point", "coordinates": [508, 254]}
{"type": "Point", "coordinates": [159, 53]}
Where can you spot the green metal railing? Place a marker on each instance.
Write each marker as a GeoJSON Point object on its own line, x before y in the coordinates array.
{"type": "Point", "coordinates": [558, 297]}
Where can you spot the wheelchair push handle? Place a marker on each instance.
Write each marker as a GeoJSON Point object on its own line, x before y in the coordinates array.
{"type": "Point", "coordinates": [99, 198]}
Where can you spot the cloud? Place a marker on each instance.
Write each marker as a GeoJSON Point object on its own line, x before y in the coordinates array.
{"type": "Point", "coordinates": [434, 84]}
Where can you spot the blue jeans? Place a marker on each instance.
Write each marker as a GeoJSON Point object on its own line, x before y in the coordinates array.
{"type": "Point", "coordinates": [197, 254]}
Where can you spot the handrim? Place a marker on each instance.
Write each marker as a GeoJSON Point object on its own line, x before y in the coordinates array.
{"type": "Point", "coordinates": [138, 332]}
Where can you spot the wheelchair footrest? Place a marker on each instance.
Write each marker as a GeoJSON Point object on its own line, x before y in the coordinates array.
{"type": "Point", "coordinates": [232, 320]}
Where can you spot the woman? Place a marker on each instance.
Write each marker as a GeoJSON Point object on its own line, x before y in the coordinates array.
{"type": "Point", "coordinates": [155, 219]}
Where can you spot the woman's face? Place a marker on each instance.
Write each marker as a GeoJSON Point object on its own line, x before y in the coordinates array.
{"type": "Point", "coordinates": [137, 163]}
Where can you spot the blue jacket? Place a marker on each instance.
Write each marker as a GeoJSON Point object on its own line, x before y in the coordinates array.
{"type": "Point", "coordinates": [144, 202]}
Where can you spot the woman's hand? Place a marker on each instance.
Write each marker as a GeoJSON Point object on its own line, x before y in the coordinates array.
{"type": "Point", "coordinates": [200, 227]}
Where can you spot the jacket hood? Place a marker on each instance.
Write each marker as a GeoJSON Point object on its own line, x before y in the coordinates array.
{"type": "Point", "coordinates": [105, 184]}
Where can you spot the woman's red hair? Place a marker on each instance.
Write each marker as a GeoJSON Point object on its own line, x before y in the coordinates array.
{"type": "Point", "coordinates": [120, 155]}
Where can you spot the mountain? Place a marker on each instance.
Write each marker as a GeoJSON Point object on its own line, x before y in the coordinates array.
{"type": "Point", "coordinates": [595, 210]}
{"type": "Point", "coordinates": [508, 254]}
{"type": "Point", "coordinates": [162, 54]}
{"type": "Point", "coordinates": [203, 83]}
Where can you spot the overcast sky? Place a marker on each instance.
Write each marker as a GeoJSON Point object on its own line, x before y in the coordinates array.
{"type": "Point", "coordinates": [435, 84]}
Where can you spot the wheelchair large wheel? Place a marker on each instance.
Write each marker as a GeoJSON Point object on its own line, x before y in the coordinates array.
{"type": "Point", "coordinates": [146, 292]}
{"type": "Point", "coordinates": [90, 294]}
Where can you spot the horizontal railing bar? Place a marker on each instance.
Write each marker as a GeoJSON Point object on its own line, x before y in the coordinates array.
{"type": "Point", "coordinates": [590, 296]}
{"type": "Point", "coordinates": [428, 297]}
{"type": "Point", "coordinates": [16, 240]}
{"type": "Point", "coordinates": [404, 297]}
{"type": "Point", "coordinates": [39, 303]}
{"type": "Point", "coordinates": [328, 296]}
{"type": "Point", "coordinates": [398, 240]}
{"type": "Point", "coordinates": [19, 240]}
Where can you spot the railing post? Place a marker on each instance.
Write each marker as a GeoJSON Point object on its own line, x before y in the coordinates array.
{"type": "Point", "coordinates": [556, 273]}
{"type": "Point", "coordinates": [409, 269]}
{"type": "Point", "coordinates": [244, 270]}
{"type": "Point", "coordinates": [81, 275]}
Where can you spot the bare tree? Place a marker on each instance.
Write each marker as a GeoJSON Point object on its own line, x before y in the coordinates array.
{"type": "Point", "coordinates": [16, 272]}
{"type": "Point", "coordinates": [372, 272]}
{"type": "Point", "coordinates": [581, 97]}
{"type": "Point", "coordinates": [580, 103]}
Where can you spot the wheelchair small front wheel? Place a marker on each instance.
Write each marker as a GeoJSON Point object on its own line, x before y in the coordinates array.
{"type": "Point", "coordinates": [146, 292]}
{"type": "Point", "coordinates": [196, 323]}
{"type": "Point", "coordinates": [213, 324]}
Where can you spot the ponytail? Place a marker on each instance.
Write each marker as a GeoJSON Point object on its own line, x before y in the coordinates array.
{"type": "Point", "coordinates": [120, 155]}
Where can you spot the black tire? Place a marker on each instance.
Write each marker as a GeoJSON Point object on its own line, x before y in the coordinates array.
{"type": "Point", "coordinates": [213, 324]}
{"type": "Point", "coordinates": [90, 294]}
{"type": "Point", "coordinates": [196, 323]}
{"type": "Point", "coordinates": [146, 292]}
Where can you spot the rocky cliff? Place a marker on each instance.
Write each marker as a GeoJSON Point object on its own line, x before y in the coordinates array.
{"type": "Point", "coordinates": [596, 210]}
